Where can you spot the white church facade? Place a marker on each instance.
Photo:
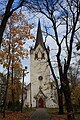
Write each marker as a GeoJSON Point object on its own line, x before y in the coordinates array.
{"type": "Point", "coordinates": [39, 91]}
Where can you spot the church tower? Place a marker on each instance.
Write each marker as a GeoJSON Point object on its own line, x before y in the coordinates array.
{"type": "Point", "coordinates": [40, 92]}
{"type": "Point", "coordinates": [39, 73]}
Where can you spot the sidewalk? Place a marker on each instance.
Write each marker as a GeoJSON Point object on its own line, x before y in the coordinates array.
{"type": "Point", "coordinates": [40, 114]}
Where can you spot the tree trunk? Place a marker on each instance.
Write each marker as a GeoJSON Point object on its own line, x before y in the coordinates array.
{"type": "Point", "coordinates": [5, 97]}
{"type": "Point", "coordinates": [59, 91]}
{"type": "Point", "coordinates": [13, 101]}
{"type": "Point", "coordinates": [5, 18]}
{"type": "Point", "coordinates": [13, 106]}
{"type": "Point", "coordinates": [60, 101]}
{"type": "Point", "coordinates": [68, 102]}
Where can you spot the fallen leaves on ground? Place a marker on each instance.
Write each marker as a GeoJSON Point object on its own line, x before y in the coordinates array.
{"type": "Point", "coordinates": [55, 116]}
{"type": "Point", "coordinates": [58, 117]}
{"type": "Point", "coordinates": [16, 115]}
{"type": "Point", "coordinates": [62, 117]}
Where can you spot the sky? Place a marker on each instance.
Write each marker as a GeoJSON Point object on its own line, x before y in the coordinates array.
{"type": "Point", "coordinates": [26, 62]}
{"type": "Point", "coordinates": [50, 42]}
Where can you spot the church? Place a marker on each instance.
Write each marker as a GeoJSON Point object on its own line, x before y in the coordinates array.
{"type": "Point", "coordinates": [40, 93]}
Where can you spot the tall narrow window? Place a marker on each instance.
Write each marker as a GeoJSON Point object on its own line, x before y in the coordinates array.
{"type": "Point", "coordinates": [36, 56]}
{"type": "Point", "coordinates": [43, 56]}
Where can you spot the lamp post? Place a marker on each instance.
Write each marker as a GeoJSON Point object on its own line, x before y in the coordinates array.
{"type": "Point", "coordinates": [22, 87]}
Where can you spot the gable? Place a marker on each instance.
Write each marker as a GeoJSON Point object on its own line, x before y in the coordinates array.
{"type": "Point", "coordinates": [40, 94]}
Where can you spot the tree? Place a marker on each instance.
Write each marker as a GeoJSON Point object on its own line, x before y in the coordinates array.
{"type": "Point", "coordinates": [78, 45]}
{"type": "Point", "coordinates": [77, 36]}
{"type": "Point", "coordinates": [12, 51]}
{"type": "Point", "coordinates": [2, 86]}
{"type": "Point", "coordinates": [62, 14]}
{"type": "Point", "coordinates": [73, 77]}
{"type": "Point", "coordinates": [9, 8]}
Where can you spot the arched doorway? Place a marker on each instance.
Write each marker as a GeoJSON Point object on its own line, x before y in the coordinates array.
{"type": "Point", "coordinates": [40, 103]}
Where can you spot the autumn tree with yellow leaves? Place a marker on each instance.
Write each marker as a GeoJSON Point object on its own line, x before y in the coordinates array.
{"type": "Point", "coordinates": [13, 51]}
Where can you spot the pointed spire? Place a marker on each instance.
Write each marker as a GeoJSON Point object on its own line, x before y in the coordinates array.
{"type": "Point", "coordinates": [39, 38]}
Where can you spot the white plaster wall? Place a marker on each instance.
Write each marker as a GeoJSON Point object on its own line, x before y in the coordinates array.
{"type": "Point", "coordinates": [40, 68]}
{"type": "Point", "coordinates": [27, 101]}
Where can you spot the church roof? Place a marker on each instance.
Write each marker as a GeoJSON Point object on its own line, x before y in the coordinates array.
{"type": "Point", "coordinates": [39, 38]}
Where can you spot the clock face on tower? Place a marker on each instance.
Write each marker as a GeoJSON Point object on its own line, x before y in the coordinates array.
{"type": "Point", "coordinates": [40, 78]}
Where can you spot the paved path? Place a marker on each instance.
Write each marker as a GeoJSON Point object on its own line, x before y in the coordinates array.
{"type": "Point", "coordinates": [40, 114]}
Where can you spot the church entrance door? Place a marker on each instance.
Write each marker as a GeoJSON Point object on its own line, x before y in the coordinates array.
{"type": "Point", "coordinates": [40, 103]}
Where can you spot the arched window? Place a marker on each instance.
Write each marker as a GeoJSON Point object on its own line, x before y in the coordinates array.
{"type": "Point", "coordinates": [36, 56]}
{"type": "Point", "coordinates": [43, 56]}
